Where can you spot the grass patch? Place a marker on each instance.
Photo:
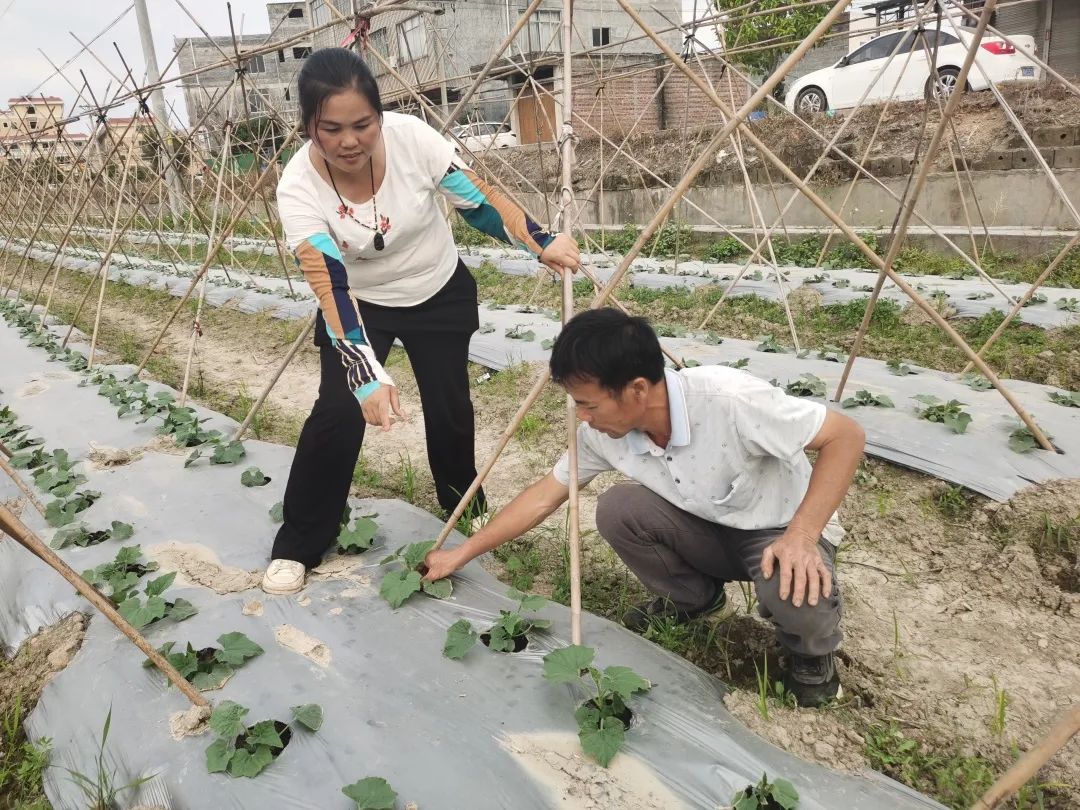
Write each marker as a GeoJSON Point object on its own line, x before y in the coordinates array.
{"type": "Point", "coordinates": [22, 761]}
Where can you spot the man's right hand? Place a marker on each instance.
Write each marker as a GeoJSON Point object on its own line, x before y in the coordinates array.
{"type": "Point", "coordinates": [378, 405]}
{"type": "Point", "coordinates": [442, 563]}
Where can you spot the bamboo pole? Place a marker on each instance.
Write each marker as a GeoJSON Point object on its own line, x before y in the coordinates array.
{"type": "Point", "coordinates": [1028, 765]}
{"type": "Point", "coordinates": [990, 341]}
{"type": "Point", "coordinates": [877, 261]}
{"type": "Point", "coordinates": [196, 330]}
{"type": "Point", "coordinates": [904, 218]}
{"type": "Point", "coordinates": [13, 474]}
{"type": "Point", "coordinates": [293, 350]}
{"type": "Point", "coordinates": [209, 257]}
{"type": "Point", "coordinates": [735, 118]}
{"type": "Point", "coordinates": [566, 204]}
{"type": "Point", "coordinates": [17, 531]}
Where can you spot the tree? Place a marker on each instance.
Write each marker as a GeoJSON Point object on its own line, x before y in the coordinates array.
{"type": "Point", "coordinates": [760, 43]}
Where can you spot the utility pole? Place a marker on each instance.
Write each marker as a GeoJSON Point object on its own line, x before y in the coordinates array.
{"type": "Point", "coordinates": [161, 122]}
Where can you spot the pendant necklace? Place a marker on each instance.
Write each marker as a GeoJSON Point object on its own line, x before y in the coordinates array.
{"type": "Point", "coordinates": [382, 224]}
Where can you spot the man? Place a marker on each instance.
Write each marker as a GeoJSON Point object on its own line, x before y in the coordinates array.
{"type": "Point", "coordinates": [721, 489]}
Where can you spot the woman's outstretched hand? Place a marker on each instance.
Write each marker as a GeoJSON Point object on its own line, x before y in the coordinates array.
{"type": "Point", "coordinates": [561, 254]}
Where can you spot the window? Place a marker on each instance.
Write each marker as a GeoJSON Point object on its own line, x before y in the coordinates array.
{"type": "Point", "coordinates": [288, 97]}
{"type": "Point", "coordinates": [879, 48]}
{"type": "Point", "coordinates": [33, 125]}
{"type": "Point", "coordinates": [320, 12]}
{"type": "Point", "coordinates": [258, 101]}
{"type": "Point", "coordinates": [930, 37]}
{"type": "Point", "coordinates": [281, 56]}
{"type": "Point", "coordinates": [542, 32]}
{"type": "Point", "coordinates": [301, 53]}
{"type": "Point", "coordinates": [412, 39]}
{"type": "Point", "coordinates": [379, 42]}
{"type": "Point", "coordinates": [256, 65]}
{"type": "Point", "coordinates": [296, 13]}
{"type": "Point", "coordinates": [29, 110]}
{"type": "Point", "coordinates": [601, 36]}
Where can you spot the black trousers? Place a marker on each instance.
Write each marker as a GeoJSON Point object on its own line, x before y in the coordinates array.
{"type": "Point", "coordinates": [435, 335]}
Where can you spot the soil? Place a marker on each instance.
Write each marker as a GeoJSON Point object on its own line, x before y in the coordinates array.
{"type": "Point", "coordinates": [578, 783]}
{"type": "Point", "coordinates": [981, 128]}
{"type": "Point", "coordinates": [291, 638]}
{"type": "Point", "coordinates": [198, 565]}
{"type": "Point", "coordinates": [192, 723]}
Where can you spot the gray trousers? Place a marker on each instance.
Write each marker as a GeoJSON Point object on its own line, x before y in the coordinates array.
{"type": "Point", "coordinates": [683, 557]}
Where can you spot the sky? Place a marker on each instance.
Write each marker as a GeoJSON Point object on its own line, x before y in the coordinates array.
{"type": "Point", "coordinates": [30, 27]}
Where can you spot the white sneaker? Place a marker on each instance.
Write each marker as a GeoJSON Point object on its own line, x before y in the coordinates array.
{"type": "Point", "coordinates": [284, 577]}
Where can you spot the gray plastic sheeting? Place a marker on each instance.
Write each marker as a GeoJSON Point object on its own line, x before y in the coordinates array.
{"type": "Point", "coordinates": [979, 460]}
{"type": "Point", "coordinates": [481, 733]}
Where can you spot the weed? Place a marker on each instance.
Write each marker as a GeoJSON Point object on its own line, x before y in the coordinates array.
{"type": "Point", "coordinates": [22, 762]}
{"type": "Point", "coordinates": [955, 779]}
{"type": "Point", "coordinates": [365, 476]}
{"type": "Point", "coordinates": [1022, 440]}
{"type": "Point", "coordinates": [406, 478]}
{"type": "Point", "coordinates": [100, 789]}
{"type": "Point", "coordinates": [1061, 537]}
{"type": "Point", "coordinates": [531, 426]}
{"type": "Point", "coordinates": [1001, 705]}
{"type": "Point", "coordinates": [724, 250]}
{"type": "Point", "coordinates": [952, 502]}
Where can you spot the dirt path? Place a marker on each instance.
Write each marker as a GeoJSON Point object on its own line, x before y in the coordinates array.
{"type": "Point", "coordinates": [950, 613]}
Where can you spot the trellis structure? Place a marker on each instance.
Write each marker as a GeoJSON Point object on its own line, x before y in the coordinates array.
{"type": "Point", "coordinates": [125, 180]}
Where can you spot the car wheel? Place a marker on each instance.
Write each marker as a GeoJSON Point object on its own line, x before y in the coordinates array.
{"type": "Point", "coordinates": [811, 101]}
{"type": "Point", "coordinates": [946, 82]}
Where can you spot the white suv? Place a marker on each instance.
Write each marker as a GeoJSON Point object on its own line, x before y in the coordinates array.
{"type": "Point", "coordinates": [481, 136]}
{"type": "Point", "coordinates": [842, 85]}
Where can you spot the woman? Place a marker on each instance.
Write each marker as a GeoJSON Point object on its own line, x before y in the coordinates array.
{"type": "Point", "coordinates": [358, 204]}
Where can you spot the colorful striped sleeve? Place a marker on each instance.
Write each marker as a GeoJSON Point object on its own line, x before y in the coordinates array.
{"type": "Point", "coordinates": [320, 260]}
{"type": "Point", "coordinates": [491, 212]}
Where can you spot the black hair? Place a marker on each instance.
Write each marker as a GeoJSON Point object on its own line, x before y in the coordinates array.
{"type": "Point", "coordinates": [329, 71]}
{"type": "Point", "coordinates": [607, 347]}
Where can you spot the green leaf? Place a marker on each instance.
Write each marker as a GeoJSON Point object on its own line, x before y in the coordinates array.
{"type": "Point", "coordinates": [567, 664]}
{"type": "Point", "coordinates": [140, 615]}
{"type": "Point", "coordinates": [122, 531]}
{"type": "Point", "coordinates": [227, 719]}
{"type": "Point", "coordinates": [500, 640]}
{"type": "Point", "coordinates": [205, 681]}
{"type": "Point", "coordinates": [414, 553]}
{"type": "Point", "coordinates": [439, 589]}
{"type": "Point", "coordinates": [958, 422]}
{"type": "Point", "coordinates": [784, 794]}
{"type": "Point", "coordinates": [310, 715]}
{"type": "Point", "coordinates": [228, 453]}
{"type": "Point", "coordinates": [372, 793]}
{"type": "Point", "coordinates": [182, 609]}
{"type": "Point", "coordinates": [70, 536]}
{"type": "Point", "coordinates": [61, 513]}
{"type": "Point", "coordinates": [159, 585]}
{"type": "Point", "coordinates": [603, 743]}
{"type": "Point", "coordinates": [218, 755]}
{"type": "Point", "coordinates": [253, 477]}
{"type": "Point", "coordinates": [195, 456]}
{"type": "Point", "coordinates": [250, 764]}
{"type": "Point", "coordinates": [623, 681]}
{"type": "Point", "coordinates": [460, 638]}
{"type": "Point", "coordinates": [263, 733]}
{"type": "Point", "coordinates": [532, 602]}
{"type": "Point", "coordinates": [359, 538]}
{"type": "Point", "coordinates": [236, 648]}
{"type": "Point", "coordinates": [397, 586]}
{"type": "Point", "coordinates": [277, 512]}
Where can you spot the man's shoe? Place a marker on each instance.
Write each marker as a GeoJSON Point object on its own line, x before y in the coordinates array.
{"type": "Point", "coordinates": [812, 679]}
{"type": "Point", "coordinates": [284, 577]}
{"type": "Point", "coordinates": [640, 617]}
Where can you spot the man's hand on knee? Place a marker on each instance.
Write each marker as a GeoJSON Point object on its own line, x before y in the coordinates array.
{"type": "Point", "coordinates": [803, 573]}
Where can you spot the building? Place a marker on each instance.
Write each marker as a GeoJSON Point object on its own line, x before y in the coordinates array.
{"type": "Point", "coordinates": [1055, 24]}
{"type": "Point", "coordinates": [122, 134]}
{"type": "Point", "coordinates": [269, 79]}
{"type": "Point", "coordinates": [439, 54]}
{"type": "Point", "coordinates": [25, 114]}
